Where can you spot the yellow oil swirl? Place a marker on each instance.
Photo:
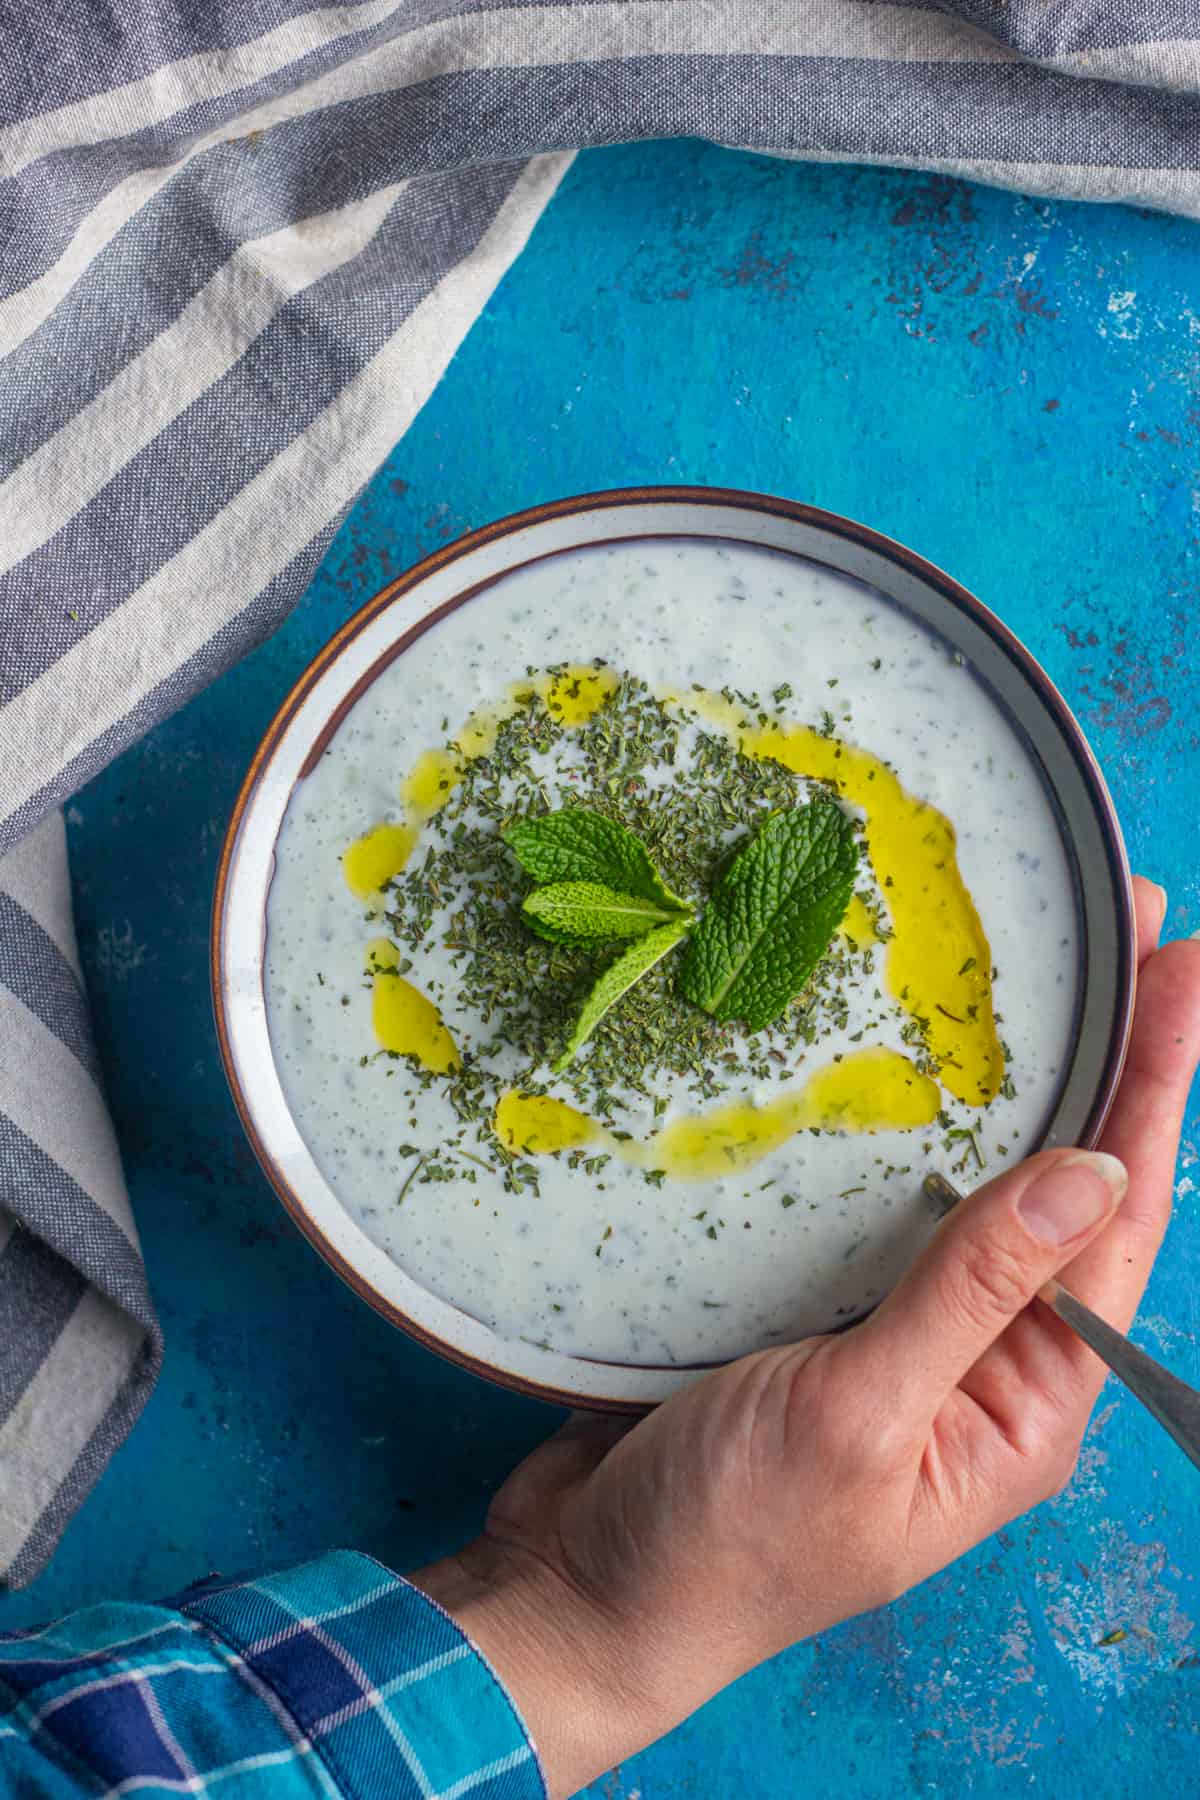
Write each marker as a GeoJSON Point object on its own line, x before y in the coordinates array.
{"type": "Point", "coordinates": [870, 1090]}
{"type": "Point", "coordinates": [939, 962]}
{"type": "Point", "coordinates": [538, 1124]}
{"type": "Point", "coordinates": [429, 784]}
{"type": "Point", "coordinates": [858, 925]}
{"type": "Point", "coordinates": [376, 857]}
{"type": "Point", "coordinates": [938, 958]}
{"type": "Point", "coordinates": [573, 694]}
{"type": "Point", "coordinates": [404, 1019]}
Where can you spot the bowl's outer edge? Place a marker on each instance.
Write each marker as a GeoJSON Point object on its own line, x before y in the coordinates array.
{"type": "Point", "coordinates": [613, 499]}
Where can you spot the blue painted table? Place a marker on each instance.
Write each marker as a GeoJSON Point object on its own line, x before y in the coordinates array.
{"type": "Point", "coordinates": [1010, 387]}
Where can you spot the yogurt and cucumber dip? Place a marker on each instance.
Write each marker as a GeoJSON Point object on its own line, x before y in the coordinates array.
{"type": "Point", "coordinates": [648, 930]}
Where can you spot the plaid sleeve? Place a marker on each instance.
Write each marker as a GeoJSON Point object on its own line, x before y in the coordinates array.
{"type": "Point", "coordinates": [335, 1678]}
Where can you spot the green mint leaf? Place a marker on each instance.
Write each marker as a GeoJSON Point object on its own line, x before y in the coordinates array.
{"type": "Point", "coordinates": [577, 844]}
{"type": "Point", "coordinates": [772, 915]}
{"type": "Point", "coordinates": [573, 912]}
{"type": "Point", "coordinates": [617, 980]}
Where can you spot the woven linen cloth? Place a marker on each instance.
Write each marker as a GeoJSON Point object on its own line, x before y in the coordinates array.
{"type": "Point", "coordinates": [242, 240]}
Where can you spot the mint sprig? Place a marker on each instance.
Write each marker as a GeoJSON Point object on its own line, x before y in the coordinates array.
{"type": "Point", "coordinates": [617, 979]}
{"type": "Point", "coordinates": [574, 912]}
{"type": "Point", "coordinates": [577, 844]}
{"type": "Point", "coordinates": [767, 924]}
{"type": "Point", "coordinates": [598, 880]}
{"type": "Point", "coordinates": [772, 915]}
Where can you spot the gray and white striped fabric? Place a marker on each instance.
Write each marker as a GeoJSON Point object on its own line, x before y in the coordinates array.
{"type": "Point", "coordinates": [79, 1344]}
{"type": "Point", "coordinates": [242, 240]}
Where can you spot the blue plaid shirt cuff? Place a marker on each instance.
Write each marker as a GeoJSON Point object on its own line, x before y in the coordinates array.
{"type": "Point", "coordinates": [335, 1678]}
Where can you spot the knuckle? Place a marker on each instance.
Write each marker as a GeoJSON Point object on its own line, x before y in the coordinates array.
{"type": "Point", "coordinates": [780, 1401]}
{"type": "Point", "coordinates": [880, 1437]}
{"type": "Point", "coordinates": [1045, 1435]}
{"type": "Point", "coordinates": [808, 1398]}
{"type": "Point", "coordinates": [990, 1281]}
{"type": "Point", "coordinates": [859, 1432]}
{"type": "Point", "coordinates": [1059, 1470]}
{"type": "Point", "coordinates": [1046, 1458]}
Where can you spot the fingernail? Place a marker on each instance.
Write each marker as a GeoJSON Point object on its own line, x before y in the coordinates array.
{"type": "Point", "coordinates": [1072, 1196]}
{"type": "Point", "coordinates": [1162, 902]}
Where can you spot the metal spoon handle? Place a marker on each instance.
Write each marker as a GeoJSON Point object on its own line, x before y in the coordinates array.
{"type": "Point", "coordinates": [1172, 1402]}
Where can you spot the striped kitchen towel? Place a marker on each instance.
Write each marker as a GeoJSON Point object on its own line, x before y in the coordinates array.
{"type": "Point", "coordinates": [241, 244]}
{"type": "Point", "coordinates": [79, 1343]}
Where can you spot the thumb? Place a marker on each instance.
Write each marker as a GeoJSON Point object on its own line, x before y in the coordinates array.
{"type": "Point", "coordinates": [985, 1265]}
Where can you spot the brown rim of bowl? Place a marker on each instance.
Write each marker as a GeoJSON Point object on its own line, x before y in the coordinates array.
{"type": "Point", "coordinates": [611, 500]}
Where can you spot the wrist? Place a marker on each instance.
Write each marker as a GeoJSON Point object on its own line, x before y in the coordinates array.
{"type": "Point", "coordinates": [568, 1668]}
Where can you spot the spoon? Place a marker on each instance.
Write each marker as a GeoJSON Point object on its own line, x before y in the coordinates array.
{"type": "Point", "coordinates": [1173, 1403]}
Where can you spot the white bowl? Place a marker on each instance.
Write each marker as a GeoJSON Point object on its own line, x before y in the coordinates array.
{"type": "Point", "coordinates": [382, 629]}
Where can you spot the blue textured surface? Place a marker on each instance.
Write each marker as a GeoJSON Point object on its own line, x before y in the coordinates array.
{"type": "Point", "coordinates": [1010, 387]}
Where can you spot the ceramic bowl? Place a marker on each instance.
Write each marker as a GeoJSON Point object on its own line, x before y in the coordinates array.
{"type": "Point", "coordinates": [408, 606]}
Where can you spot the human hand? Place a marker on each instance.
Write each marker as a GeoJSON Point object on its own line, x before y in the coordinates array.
{"type": "Point", "coordinates": [626, 1574]}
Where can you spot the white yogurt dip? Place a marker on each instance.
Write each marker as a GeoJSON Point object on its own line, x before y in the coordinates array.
{"type": "Point", "coordinates": [597, 1252]}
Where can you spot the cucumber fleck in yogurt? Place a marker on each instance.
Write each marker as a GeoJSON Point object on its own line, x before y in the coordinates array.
{"type": "Point", "coordinates": [683, 1190]}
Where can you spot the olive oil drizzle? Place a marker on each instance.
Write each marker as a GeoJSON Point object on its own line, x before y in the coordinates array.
{"type": "Point", "coordinates": [870, 1090]}
{"type": "Point", "coordinates": [922, 921]}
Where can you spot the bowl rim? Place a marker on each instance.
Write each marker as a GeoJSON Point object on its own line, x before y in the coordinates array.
{"type": "Point", "coordinates": [797, 512]}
